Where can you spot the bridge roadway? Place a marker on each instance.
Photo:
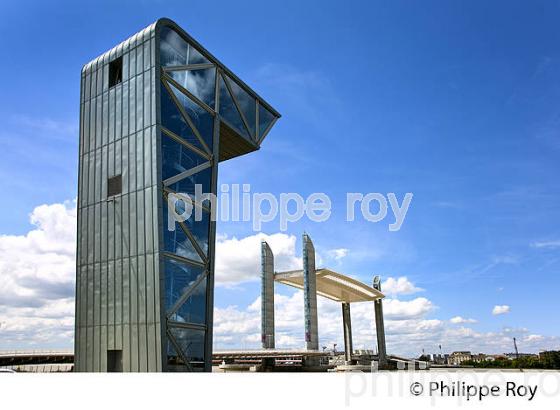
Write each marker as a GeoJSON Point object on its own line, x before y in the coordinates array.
{"type": "Point", "coordinates": [289, 357]}
{"type": "Point", "coordinates": [15, 358]}
{"type": "Point", "coordinates": [25, 357]}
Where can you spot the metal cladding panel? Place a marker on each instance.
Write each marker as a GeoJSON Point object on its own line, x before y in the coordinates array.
{"type": "Point", "coordinates": [310, 294]}
{"type": "Point", "coordinates": [117, 301]}
{"type": "Point", "coordinates": [267, 296]}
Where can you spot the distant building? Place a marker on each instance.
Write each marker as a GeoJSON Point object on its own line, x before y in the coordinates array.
{"type": "Point", "coordinates": [456, 358]}
{"type": "Point", "coordinates": [437, 358]}
{"type": "Point", "coordinates": [479, 358]}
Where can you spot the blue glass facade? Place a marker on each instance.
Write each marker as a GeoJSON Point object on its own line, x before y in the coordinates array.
{"type": "Point", "coordinates": [184, 93]}
{"type": "Point", "coordinates": [196, 97]}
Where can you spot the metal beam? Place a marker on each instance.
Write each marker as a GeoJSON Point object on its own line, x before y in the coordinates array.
{"type": "Point", "coordinates": [176, 178]}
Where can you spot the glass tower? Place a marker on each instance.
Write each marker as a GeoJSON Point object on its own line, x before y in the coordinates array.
{"type": "Point", "coordinates": [158, 113]}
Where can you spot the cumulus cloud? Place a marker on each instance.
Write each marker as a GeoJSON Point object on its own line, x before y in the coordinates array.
{"type": "Point", "coordinates": [459, 320]}
{"type": "Point", "coordinates": [397, 309]}
{"type": "Point", "coordinates": [37, 303]}
{"type": "Point", "coordinates": [239, 260]}
{"type": "Point", "coordinates": [399, 286]}
{"type": "Point", "coordinates": [37, 274]}
{"type": "Point", "coordinates": [534, 338]}
{"type": "Point", "coordinates": [244, 323]}
{"type": "Point", "coordinates": [500, 310]}
{"type": "Point", "coordinates": [408, 327]}
{"type": "Point", "coordinates": [337, 254]}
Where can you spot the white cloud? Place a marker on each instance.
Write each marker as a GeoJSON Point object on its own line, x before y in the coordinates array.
{"type": "Point", "coordinates": [399, 286]}
{"type": "Point", "coordinates": [37, 276]}
{"type": "Point", "coordinates": [459, 320]}
{"type": "Point", "coordinates": [500, 309]}
{"type": "Point", "coordinates": [401, 317]}
{"type": "Point", "coordinates": [408, 327]}
{"type": "Point", "coordinates": [546, 244]}
{"type": "Point", "coordinates": [337, 254]}
{"type": "Point", "coordinates": [397, 309]}
{"type": "Point", "coordinates": [239, 260]}
{"type": "Point", "coordinates": [534, 338]}
{"type": "Point", "coordinates": [37, 299]}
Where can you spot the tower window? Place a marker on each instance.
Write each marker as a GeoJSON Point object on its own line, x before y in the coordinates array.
{"type": "Point", "coordinates": [114, 361]}
{"type": "Point", "coordinates": [114, 185]}
{"type": "Point", "coordinates": [115, 72]}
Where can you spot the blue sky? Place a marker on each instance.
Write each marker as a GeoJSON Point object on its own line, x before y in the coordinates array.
{"type": "Point", "coordinates": [455, 102]}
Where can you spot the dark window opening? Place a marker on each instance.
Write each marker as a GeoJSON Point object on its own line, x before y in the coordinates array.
{"type": "Point", "coordinates": [114, 185]}
{"type": "Point", "coordinates": [114, 361]}
{"type": "Point", "coordinates": [115, 72]}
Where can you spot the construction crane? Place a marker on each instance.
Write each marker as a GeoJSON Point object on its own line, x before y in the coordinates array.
{"type": "Point", "coordinates": [515, 346]}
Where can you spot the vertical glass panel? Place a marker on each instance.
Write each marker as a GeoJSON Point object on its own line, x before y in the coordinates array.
{"type": "Point", "coordinates": [132, 61]}
{"type": "Point", "coordinates": [199, 226]}
{"type": "Point", "coordinates": [139, 58]}
{"type": "Point", "coordinates": [191, 343]}
{"type": "Point", "coordinates": [118, 113]}
{"type": "Point", "coordinates": [147, 99]}
{"type": "Point", "coordinates": [177, 158]}
{"type": "Point", "coordinates": [147, 55]}
{"type": "Point", "coordinates": [125, 108]}
{"type": "Point", "coordinates": [177, 241]}
{"type": "Point", "coordinates": [92, 123]}
{"type": "Point", "coordinates": [125, 70]}
{"type": "Point", "coordinates": [247, 104]}
{"type": "Point", "coordinates": [187, 185]}
{"type": "Point", "coordinates": [201, 83]}
{"type": "Point", "coordinates": [132, 105]}
{"type": "Point", "coordinates": [98, 122]}
{"type": "Point", "coordinates": [265, 118]}
{"type": "Point", "coordinates": [176, 51]}
{"type": "Point", "coordinates": [173, 49]}
{"type": "Point", "coordinates": [105, 119]}
{"type": "Point", "coordinates": [229, 111]}
{"type": "Point", "coordinates": [99, 79]}
{"type": "Point", "coordinates": [194, 308]}
{"type": "Point", "coordinates": [86, 127]}
{"type": "Point", "coordinates": [195, 57]}
{"type": "Point", "coordinates": [202, 119]}
{"type": "Point", "coordinates": [152, 51]}
{"type": "Point", "coordinates": [172, 356]}
{"type": "Point", "coordinates": [140, 102]}
{"type": "Point", "coordinates": [87, 87]}
{"type": "Point", "coordinates": [172, 119]}
{"type": "Point", "coordinates": [111, 115]}
{"type": "Point", "coordinates": [178, 278]}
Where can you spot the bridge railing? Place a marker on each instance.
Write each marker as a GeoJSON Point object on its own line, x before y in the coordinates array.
{"type": "Point", "coordinates": [16, 353]}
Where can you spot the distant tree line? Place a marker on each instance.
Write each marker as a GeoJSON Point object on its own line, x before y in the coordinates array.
{"type": "Point", "coordinates": [545, 360]}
